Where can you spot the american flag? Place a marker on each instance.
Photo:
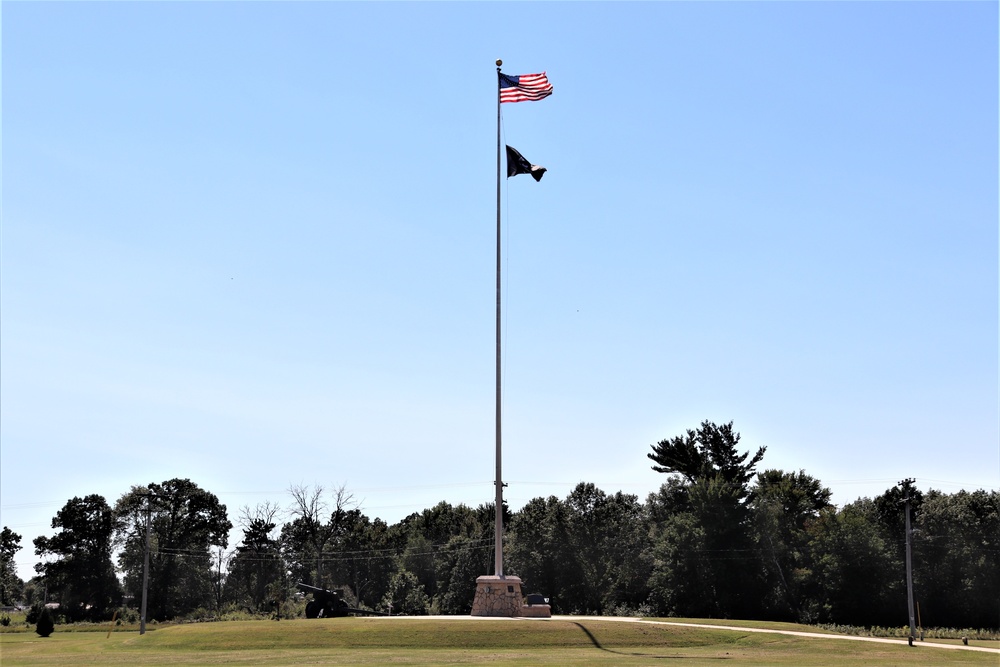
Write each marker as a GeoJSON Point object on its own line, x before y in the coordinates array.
{"type": "Point", "coordinates": [524, 88]}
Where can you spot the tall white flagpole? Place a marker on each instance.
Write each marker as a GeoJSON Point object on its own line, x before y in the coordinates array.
{"type": "Point", "coordinates": [498, 546]}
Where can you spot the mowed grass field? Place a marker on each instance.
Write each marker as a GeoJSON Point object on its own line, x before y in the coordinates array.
{"type": "Point", "coordinates": [436, 641]}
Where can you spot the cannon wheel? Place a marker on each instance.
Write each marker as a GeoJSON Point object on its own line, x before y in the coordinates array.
{"type": "Point", "coordinates": [312, 609]}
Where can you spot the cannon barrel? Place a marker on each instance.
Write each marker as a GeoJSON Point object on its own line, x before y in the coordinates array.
{"type": "Point", "coordinates": [330, 603]}
{"type": "Point", "coordinates": [307, 587]}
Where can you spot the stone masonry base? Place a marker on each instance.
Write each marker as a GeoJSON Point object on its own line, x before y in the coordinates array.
{"type": "Point", "coordinates": [501, 596]}
{"type": "Point", "coordinates": [497, 596]}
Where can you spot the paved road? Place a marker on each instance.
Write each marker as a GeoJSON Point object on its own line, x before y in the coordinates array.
{"type": "Point", "coordinates": [793, 633]}
{"type": "Point", "coordinates": [796, 633]}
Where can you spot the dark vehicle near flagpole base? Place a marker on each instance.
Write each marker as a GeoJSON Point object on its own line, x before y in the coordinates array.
{"type": "Point", "coordinates": [330, 604]}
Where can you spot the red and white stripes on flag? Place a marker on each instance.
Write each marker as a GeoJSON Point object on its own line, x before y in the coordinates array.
{"type": "Point", "coordinates": [524, 88]}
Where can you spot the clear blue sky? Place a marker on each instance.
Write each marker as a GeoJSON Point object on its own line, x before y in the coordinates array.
{"type": "Point", "coordinates": [253, 244]}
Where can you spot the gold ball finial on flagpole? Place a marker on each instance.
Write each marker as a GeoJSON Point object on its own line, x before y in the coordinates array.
{"type": "Point", "coordinates": [499, 62]}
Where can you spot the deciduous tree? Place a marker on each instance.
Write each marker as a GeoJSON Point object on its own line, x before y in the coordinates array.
{"type": "Point", "coordinates": [78, 567]}
{"type": "Point", "coordinates": [406, 595]}
{"type": "Point", "coordinates": [187, 522]}
{"type": "Point", "coordinates": [860, 579]}
{"type": "Point", "coordinates": [310, 538]}
{"type": "Point", "coordinates": [784, 504]}
{"type": "Point", "coordinates": [957, 558]}
{"type": "Point", "coordinates": [589, 553]}
{"type": "Point", "coordinates": [10, 584]}
{"type": "Point", "coordinates": [257, 564]}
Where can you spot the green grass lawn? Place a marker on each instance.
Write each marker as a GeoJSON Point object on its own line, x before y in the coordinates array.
{"type": "Point", "coordinates": [415, 641]}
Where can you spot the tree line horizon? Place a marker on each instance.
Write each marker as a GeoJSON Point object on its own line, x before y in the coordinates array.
{"type": "Point", "coordinates": [717, 540]}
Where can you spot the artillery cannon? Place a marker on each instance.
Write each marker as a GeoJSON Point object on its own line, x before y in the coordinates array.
{"type": "Point", "coordinates": [329, 604]}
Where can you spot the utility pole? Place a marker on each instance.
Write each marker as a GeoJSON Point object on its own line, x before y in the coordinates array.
{"type": "Point", "coordinates": [906, 483]}
{"type": "Point", "coordinates": [145, 571]}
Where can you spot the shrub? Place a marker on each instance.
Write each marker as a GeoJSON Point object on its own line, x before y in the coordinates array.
{"type": "Point", "coordinates": [5, 620]}
{"type": "Point", "coordinates": [622, 609]}
{"type": "Point", "coordinates": [33, 613]}
{"type": "Point", "coordinates": [45, 626]}
{"type": "Point", "coordinates": [128, 616]}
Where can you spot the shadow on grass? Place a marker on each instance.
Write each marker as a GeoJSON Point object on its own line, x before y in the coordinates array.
{"type": "Point", "coordinates": [597, 644]}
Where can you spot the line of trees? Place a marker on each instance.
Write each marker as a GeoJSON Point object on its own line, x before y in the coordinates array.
{"type": "Point", "coordinates": [718, 539]}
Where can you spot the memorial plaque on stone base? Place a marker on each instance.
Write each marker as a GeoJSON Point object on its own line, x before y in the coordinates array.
{"type": "Point", "coordinates": [497, 596]}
